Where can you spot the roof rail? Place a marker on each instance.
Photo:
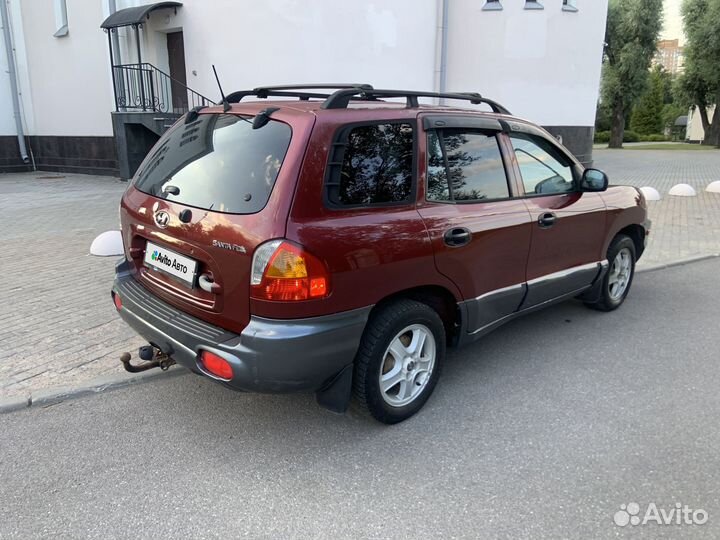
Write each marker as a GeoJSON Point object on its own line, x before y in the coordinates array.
{"type": "Point", "coordinates": [343, 93]}
{"type": "Point", "coordinates": [293, 90]}
{"type": "Point", "coordinates": [340, 99]}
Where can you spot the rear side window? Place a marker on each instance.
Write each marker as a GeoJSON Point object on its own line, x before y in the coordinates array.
{"type": "Point", "coordinates": [218, 162]}
{"type": "Point", "coordinates": [464, 166]}
{"type": "Point", "coordinates": [372, 164]}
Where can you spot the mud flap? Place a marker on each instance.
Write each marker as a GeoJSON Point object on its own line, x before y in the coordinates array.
{"type": "Point", "coordinates": [594, 293]}
{"type": "Point", "coordinates": [336, 396]}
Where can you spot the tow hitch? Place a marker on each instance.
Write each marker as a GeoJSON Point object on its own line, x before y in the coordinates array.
{"type": "Point", "coordinates": [152, 356]}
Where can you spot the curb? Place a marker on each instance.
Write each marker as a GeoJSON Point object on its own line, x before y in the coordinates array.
{"type": "Point", "coordinates": [680, 262]}
{"type": "Point", "coordinates": [52, 396]}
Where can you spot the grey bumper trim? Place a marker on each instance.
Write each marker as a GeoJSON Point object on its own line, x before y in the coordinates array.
{"type": "Point", "coordinates": [270, 355]}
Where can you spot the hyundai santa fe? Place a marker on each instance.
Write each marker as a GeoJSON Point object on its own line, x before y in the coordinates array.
{"type": "Point", "coordinates": [337, 239]}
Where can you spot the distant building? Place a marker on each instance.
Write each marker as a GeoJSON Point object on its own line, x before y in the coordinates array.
{"type": "Point", "coordinates": [670, 56]}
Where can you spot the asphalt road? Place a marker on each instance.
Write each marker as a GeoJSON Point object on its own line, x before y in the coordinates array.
{"type": "Point", "coordinates": [543, 429]}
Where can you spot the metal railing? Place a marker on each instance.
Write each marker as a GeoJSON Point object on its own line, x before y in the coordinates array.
{"type": "Point", "coordinates": [144, 87]}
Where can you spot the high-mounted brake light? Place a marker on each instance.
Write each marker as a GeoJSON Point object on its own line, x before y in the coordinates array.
{"type": "Point", "coordinates": [284, 271]}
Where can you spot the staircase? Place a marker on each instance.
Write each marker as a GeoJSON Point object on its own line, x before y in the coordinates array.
{"type": "Point", "coordinates": [147, 103]}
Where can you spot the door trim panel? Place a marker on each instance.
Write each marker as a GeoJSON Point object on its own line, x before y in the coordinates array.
{"type": "Point", "coordinates": [493, 308]}
{"type": "Point", "coordinates": [550, 286]}
{"type": "Point", "coordinates": [493, 305]}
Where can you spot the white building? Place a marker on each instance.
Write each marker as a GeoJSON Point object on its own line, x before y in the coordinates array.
{"type": "Point", "coordinates": [541, 59]}
{"type": "Point", "coordinates": [695, 132]}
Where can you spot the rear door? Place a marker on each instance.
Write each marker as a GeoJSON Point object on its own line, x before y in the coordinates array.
{"type": "Point", "coordinates": [207, 194]}
{"type": "Point", "coordinates": [479, 231]}
{"type": "Point", "coordinates": [568, 226]}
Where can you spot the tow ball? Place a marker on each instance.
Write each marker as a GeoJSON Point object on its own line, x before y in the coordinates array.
{"type": "Point", "coordinates": [153, 357]}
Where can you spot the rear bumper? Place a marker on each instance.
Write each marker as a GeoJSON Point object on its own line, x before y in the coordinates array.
{"type": "Point", "coordinates": [269, 355]}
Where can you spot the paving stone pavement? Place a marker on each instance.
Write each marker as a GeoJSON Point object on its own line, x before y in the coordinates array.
{"type": "Point", "coordinates": [682, 227]}
{"type": "Point", "coordinates": [59, 328]}
{"type": "Point", "coordinates": [57, 323]}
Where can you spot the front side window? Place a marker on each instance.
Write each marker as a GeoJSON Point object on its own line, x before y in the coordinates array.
{"type": "Point", "coordinates": [218, 162]}
{"type": "Point", "coordinates": [377, 166]}
{"type": "Point", "coordinates": [464, 166]}
{"type": "Point", "coordinates": [543, 168]}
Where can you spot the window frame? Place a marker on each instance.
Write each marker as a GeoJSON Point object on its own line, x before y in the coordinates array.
{"type": "Point", "coordinates": [492, 5]}
{"type": "Point", "coordinates": [535, 133]}
{"type": "Point", "coordinates": [458, 125]}
{"type": "Point", "coordinates": [61, 18]}
{"type": "Point", "coordinates": [336, 159]}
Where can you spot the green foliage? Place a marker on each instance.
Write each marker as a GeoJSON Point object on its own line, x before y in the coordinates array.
{"type": "Point", "coordinates": [603, 117]}
{"type": "Point", "coordinates": [653, 137]}
{"type": "Point", "coordinates": [670, 113]}
{"type": "Point", "coordinates": [602, 137]}
{"type": "Point", "coordinates": [647, 114]}
{"type": "Point", "coordinates": [631, 35]}
{"type": "Point", "coordinates": [700, 82]}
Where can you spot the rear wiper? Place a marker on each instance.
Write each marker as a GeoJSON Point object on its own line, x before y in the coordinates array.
{"type": "Point", "coordinates": [171, 190]}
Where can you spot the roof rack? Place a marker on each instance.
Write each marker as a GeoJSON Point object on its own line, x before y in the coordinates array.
{"type": "Point", "coordinates": [344, 93]}
{"type": "Point", "coordinates": [263, 92]}
{"type": "Point", "coordinates": [340, 99]}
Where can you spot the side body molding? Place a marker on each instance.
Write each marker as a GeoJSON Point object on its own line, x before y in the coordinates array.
{"type": "Point", "coordinates": [492, 309]}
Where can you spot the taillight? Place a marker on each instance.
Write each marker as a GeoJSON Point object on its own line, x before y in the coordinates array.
{"type": "Point", "coordinates": [216, 365]}
{"type": "Point", "coordinates": [285, 271]}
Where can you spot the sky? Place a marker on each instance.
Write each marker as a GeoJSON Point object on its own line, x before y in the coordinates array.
{"type": "Point", "coordinates": [673, 21]}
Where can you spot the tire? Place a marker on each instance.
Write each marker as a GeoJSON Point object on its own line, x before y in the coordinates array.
{"type": "Point", "coordinates": [612, 294]}
{"type": "Point", "coordinates": [388, 350]}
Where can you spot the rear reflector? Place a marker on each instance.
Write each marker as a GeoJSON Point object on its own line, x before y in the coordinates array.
{"type": "Point", "coordinates": [117, 301]}
{"type": "Point", "coordinates": [216, 365]}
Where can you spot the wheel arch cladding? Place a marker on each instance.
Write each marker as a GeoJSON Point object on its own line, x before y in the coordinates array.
{"type": "Point", "coordinates": [438, 298]}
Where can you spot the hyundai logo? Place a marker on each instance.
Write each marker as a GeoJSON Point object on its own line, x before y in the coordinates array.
{"type": "Point", "coordinates": [162, 218]}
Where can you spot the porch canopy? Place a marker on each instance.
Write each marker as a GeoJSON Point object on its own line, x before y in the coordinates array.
{"type": "Point", "coordinates": [135, 15]}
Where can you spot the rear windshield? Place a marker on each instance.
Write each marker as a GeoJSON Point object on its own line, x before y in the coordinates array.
{"type": "Point", "coordinates": [218, 162]}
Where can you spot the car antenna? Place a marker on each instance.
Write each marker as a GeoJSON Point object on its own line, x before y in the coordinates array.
{"type": "Point", "coordinates": [226, 105]}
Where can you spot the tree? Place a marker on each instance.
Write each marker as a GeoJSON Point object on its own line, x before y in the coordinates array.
{"type": "Point", "coordinates": [647, 114]}
{"type": "Point", "coordinates": [630, 43]}
{"type": "Point", "coordinates": [701, 79]}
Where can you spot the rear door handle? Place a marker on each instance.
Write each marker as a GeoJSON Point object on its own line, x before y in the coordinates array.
{"type": "Point", "coordinates": [547, 220]}
{"type": "Point", "coordinates": [457, 236]}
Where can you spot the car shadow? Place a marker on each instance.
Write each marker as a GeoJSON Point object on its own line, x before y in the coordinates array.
{"type": "Point", "coordinates": [471, 377]}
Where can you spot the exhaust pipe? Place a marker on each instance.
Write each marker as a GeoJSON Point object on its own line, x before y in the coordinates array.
{"type": "Point", "coordinates": [153, 357]}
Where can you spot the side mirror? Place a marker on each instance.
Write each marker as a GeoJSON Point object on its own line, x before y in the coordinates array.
{"type": "Point", "coordinates": [593, 180]}
{"type": "Point", "coordinates": [108, 244]}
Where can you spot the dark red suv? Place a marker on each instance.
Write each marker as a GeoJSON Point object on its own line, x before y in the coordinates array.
{"type": "Point", "coordinates": [335, 242]}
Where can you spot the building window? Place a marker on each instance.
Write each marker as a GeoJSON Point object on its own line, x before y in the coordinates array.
{"type": "Point", "coordinates": [61, 22]}
{"type": "Point", "coordinates": [533, 4]}
{"type": "Point", "coordinates": [569, 5]}
{"type": "Point", "coordinates": [492, 5]}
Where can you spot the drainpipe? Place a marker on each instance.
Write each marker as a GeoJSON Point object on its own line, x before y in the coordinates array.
{"type": "Point", "coordinates": [441, 47]}
{"type": "Point", "coordinates": [9, 51]}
